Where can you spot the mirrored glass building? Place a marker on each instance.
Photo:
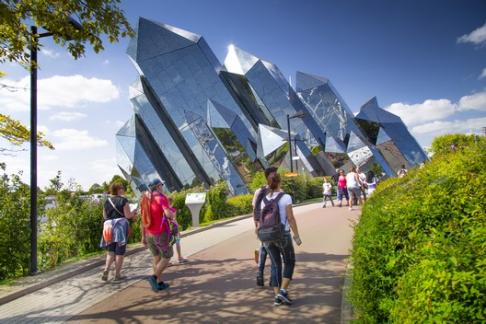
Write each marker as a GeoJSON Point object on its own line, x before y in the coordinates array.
{"type": "Point", "coordinates": [197, 121]}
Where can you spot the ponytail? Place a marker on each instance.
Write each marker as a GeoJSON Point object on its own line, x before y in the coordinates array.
{"type": "Point", "coordinates": [273, 181]}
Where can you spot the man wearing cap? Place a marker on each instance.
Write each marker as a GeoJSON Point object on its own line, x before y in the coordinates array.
{"type": "Point", "coordinates": [157, 233]}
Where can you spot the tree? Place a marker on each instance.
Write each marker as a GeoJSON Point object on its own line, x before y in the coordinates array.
{"type": "Point", "coordinates": [16, 133]}
{"type": "Point", "coordinates": [95, 189]}
{"type": "Point", "coordinates": [96, 19]}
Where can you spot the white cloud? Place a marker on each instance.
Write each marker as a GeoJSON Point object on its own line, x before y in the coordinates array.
{"type": "Point", "coordinates": [43, 129]}
{"type": "Point", "coordinates": [477, 36]}
{"type": "Point", "coordinates": [57, 91]}
{"type": "Point", "coordinates": [429, 110]}
{"type": "Point", "coordinates": [483, 74]}
{"type": "Point", "coordinates": [472, 125]}
{"type": "Point", "coordinates": [106, 166]}
{"type": "Point", "coordinates": [115, 123]}
{"type": "Point", "coordinates": [50, 53]}
{"type": "Point", "coordinates": [476, 101]}
{"type": "Point", "coordinates": [67, 116]}
{"type": "Point", "coordinates": [70, 139]}
{"type": "Point", "coordinates": [106, 62]}
{"type": "Point", "coordinates": [437, 109]}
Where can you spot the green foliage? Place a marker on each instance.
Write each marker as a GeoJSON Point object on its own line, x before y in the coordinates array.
{"type": "Point", "coordinates": [14, 227]}
{"type": "Point", "coordinates": [452, 142]}
{"type": "Point", "coordinates": [216, 207]}
{"type": "Point", "coordinates": [16, 133]}
{"type": "Point", "coordinates": [258, 181]}
{"type": "Point", "coordinates": [98, 19]}
{"type": "Point", "coordinates": [419, 250]}
{"type": "Point", "coordinates": [240, 205]}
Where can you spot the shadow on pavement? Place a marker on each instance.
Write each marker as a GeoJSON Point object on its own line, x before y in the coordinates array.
{"type": "Point", "coordinates": [224, 291]}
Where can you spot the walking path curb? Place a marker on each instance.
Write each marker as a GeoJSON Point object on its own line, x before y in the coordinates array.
{"type": "Point", "coordinates": [64, 272]}
{"type": "Point", "coordinates": [346, 307]}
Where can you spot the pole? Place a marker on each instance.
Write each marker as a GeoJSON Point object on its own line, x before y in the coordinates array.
{"type": "Point", "coordinates": [290, 144]}
{"type": "Point", "coordinates": [33, 151]}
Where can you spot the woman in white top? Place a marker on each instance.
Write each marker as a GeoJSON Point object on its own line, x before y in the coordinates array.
{"type": "Point", "coordinates": [371, 182]}
{"type": "Point", "coordinates": [354, 187]}
{"type": "Point", "coordinates": [283, 250]}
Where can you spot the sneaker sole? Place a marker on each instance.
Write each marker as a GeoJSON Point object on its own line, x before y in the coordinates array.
{"type": "Point", "coordinates": [285, 300]}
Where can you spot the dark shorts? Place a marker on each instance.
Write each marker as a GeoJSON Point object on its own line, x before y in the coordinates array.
{"type": "Point", "coordinates": [159, 246]}
{"type": "Point", "coordinates": [117, 248]}
{"type": "Point", "coordinates": [355, 193]}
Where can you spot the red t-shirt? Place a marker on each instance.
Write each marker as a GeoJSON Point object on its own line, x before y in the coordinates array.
{"type": "Point", "coordinates": [159, 222]}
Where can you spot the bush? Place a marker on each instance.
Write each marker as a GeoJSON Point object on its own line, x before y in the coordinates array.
{"type": "Point", "coordinates": [240, 205]}
{"type": "Point", "coordinates": [452, 142]}
{"type": "Point", "coordinates": [419, 250]}
{"type": "Point", "coordinates": [14, 227]}
{"type": "Point", "coordinates": [215, 207]}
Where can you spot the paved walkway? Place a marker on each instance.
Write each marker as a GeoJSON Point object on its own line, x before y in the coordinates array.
{"type": "Point", "coordinates": [218, 285]}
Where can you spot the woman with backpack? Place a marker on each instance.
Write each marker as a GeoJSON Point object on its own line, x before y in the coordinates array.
{"type": "Point", "coordinates": [277, 219]}
{"type": "Point", "coordinates": [116, 213]}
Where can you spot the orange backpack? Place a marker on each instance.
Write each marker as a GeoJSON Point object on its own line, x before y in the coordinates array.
{"type": "Point", "coordinates": [145, 202]}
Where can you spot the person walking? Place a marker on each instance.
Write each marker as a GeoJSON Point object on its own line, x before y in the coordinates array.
{"type": "Point", "coordinates": [402, 172]}
{"type": "Point", "coordinates": [156, 212]}
{"type": "Point", "coordinates": [327, 192]}
{"type": "Point", "coordinates": [116, 213]}
{"type": "Point", "coordinates": [342, 189]}
{"type": "Point", "coordinates": [371, 182]}
{"type": "Point", "coordinates": [261, 253]}
{"type": "Point", "coordinates": [176, 235]}
{"type": "Point", "coordinates": [277, 201]}
{"type": "Point", "coordinates": [354, 187]}
{"type": "Point", "coordinates": [364, 185]}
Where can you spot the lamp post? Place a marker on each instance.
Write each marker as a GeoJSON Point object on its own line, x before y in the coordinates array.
{"type": "Point", "coordinates": [300, 114]}
{"type": "Point", "coordinates": [33, 138]}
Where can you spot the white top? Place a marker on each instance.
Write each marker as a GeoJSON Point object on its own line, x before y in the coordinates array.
{"type": "Point", "coordinates": [351, 180]}
{"type": "Point", "coordinates": [282, 207]}
{"type": "Point", "coordinates": [326, 188]}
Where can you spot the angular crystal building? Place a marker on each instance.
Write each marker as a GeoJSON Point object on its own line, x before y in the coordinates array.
{"type": "Point", "coordinates": [197, 122]}
{"type": "Point", "coordinates": [334, 117]}
{"type": "Point", "coordinates": [390, 135]}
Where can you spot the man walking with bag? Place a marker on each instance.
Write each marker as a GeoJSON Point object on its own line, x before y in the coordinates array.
{"type": "Point", "coordinates": [156, 234]}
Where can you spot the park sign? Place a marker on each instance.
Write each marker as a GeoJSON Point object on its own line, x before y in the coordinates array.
{"type": "Point", "coordinates": [195, 201]}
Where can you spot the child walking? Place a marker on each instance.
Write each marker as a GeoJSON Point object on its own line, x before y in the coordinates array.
{"type": "Point", "coordinates": [327, 192]}
{"type": "Point", "coordinates": [176, 236]}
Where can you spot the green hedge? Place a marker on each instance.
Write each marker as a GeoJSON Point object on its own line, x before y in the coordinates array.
{"type": "Point", "coordinates": [419, 250]}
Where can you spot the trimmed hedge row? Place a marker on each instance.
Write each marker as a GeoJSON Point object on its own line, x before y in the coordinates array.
{"type": "Point", "coordinates": [419, 250]}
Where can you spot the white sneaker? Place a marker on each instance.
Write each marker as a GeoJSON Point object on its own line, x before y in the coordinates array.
{"type": "Point", "coordinates": [350, 208]}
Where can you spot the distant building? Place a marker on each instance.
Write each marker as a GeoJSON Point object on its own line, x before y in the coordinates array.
{"type": "Point", "coordinates": [197, 121]}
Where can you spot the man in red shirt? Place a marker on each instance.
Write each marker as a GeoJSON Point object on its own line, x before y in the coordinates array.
{"type": "Point", "coordinates": [157, 234]}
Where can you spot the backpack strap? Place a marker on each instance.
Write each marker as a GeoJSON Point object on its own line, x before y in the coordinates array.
{"type": "Point", "coordinates": [116, 209]}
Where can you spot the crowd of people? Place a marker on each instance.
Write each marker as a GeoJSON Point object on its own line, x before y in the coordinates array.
{"type": "Point", "coordinates": [275, 226]}
{"type": "Point", "coordinates": [354, 186]}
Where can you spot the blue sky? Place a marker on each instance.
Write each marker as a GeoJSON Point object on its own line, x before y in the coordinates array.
{"type": "Point", "coordinates": [424, 60]}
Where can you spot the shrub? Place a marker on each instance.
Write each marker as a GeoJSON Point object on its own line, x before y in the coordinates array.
{"type": "Point", "coordinates": [14, 227]}
{"type": "Point", "coordinates": [419, 250]}
{"type": "Point", "coordinates": [216, 207]}
{"type": "Point", "coordinates": [240, 205]}
{"type": "Point", "coordinates": [447, 143]}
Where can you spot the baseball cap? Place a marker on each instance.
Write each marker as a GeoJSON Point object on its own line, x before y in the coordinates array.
{"type": "Point", "coordinates": [154, 183]}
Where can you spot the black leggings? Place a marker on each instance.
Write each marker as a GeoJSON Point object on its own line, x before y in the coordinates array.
{"type": "Point", "coordinates": [281, 251]}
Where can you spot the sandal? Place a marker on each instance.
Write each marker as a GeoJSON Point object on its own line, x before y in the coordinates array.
{"type": "Point", "coordinates": [183, 261]}
{"type": "Point", "coordinates": [104, 277]}
{"type": "Point", "coordinates": [119, 278]}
